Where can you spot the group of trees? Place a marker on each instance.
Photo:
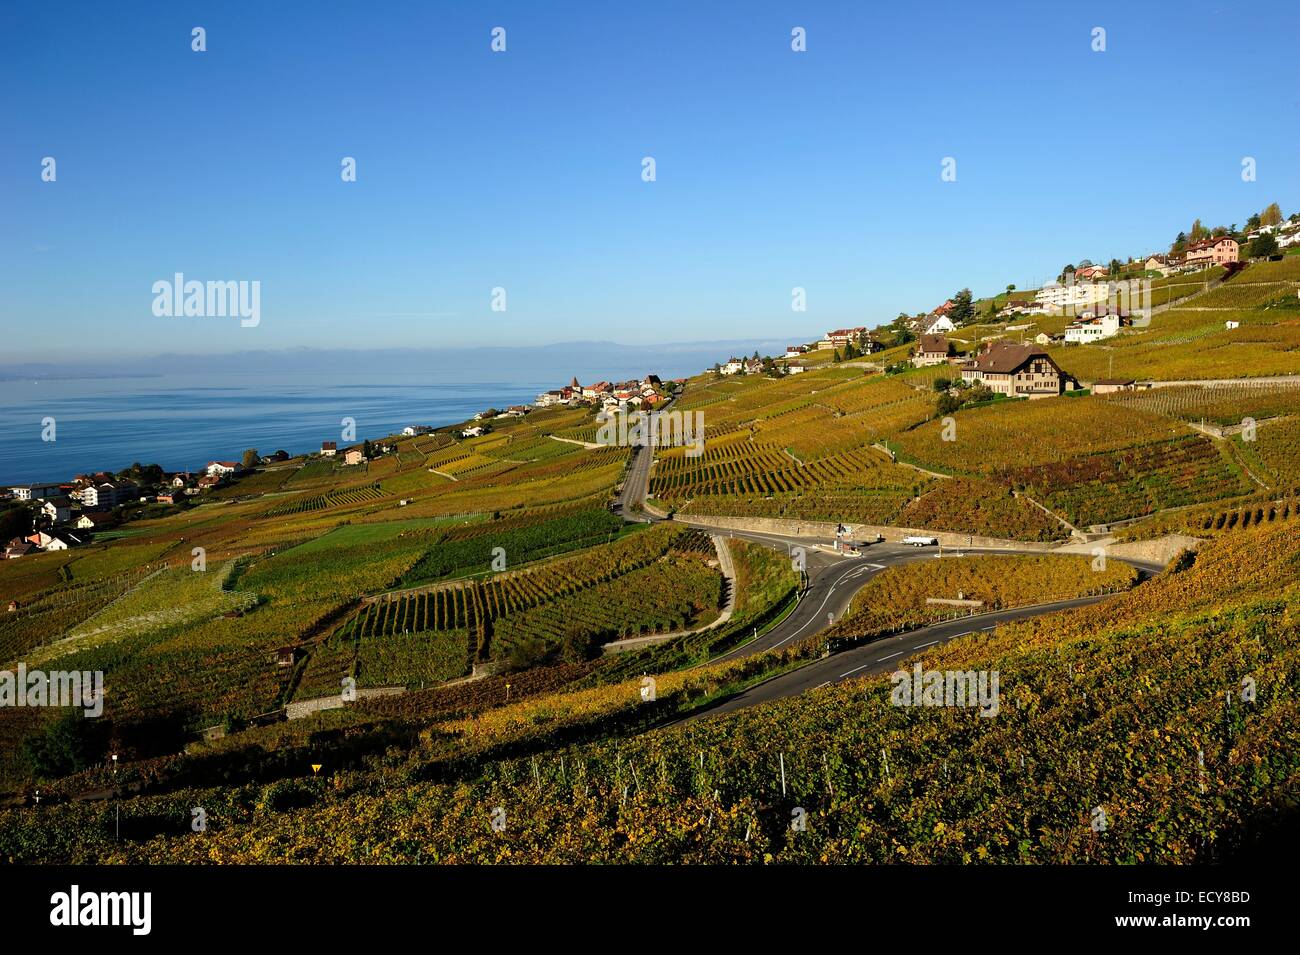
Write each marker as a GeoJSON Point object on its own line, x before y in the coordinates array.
{"type": "Point", "coordinates": [957, 393]}
{"type": "Point", "coordinates": [141, 473]}
{"type": "Point", "coordinates": [1270, 216]}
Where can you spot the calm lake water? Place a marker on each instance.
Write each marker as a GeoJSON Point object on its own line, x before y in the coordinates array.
{"type": "Point", "coordinates": [106, 424]}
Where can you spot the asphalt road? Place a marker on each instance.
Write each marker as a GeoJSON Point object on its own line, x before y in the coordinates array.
{"type": "Point", "coordinates": [833, 580]}
{"type": "Point", "coordinates": [880, 656]}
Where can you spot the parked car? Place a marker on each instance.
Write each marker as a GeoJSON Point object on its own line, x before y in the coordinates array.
{"type": "Point", "coordinates": [918, 540]}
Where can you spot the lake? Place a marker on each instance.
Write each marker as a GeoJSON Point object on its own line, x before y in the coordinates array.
{"type": "Point", "coordinates": [108, 423]}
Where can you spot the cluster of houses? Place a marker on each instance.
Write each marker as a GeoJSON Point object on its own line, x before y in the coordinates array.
{"type": "Point", "coordinates": [1217, 250]}
{"type": "Point", "coordinates": [793, 360]}
{"type": "Point", "coordinates": [1016, 370]}
{"type": "Point", "coordinates": [353, 455]}
{"type": "Point", "coordinates": [1286, 232]}
{"type": "Point", "coordinates": [63, 513]}
{"type": "Point", "coordinates": [608, 396]}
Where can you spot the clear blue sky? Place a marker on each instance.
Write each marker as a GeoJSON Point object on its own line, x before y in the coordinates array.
{"type": "Point", "coordinates": [775, 169]}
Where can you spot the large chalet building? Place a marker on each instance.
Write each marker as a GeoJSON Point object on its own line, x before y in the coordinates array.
{"type": "Point", "coordinates": [1218, 251]}
{"type": "Point", "coordinates": [1017, 371]}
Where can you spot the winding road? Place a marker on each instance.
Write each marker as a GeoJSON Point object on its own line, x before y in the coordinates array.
{"type": "Point", "coordinates": [832, 580]}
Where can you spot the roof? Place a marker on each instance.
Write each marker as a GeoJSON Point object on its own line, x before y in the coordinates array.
{"type": "Point", "coordinates": [1209, 243]}
{"type": "Point", "coordinates": [934, 343]}
{"type": "Point", "coordinates": [1004, 357]}
{"type": "Point", "coordinates": [1114, 381]}
{"type": "Point", "coordinates": [330, 444]}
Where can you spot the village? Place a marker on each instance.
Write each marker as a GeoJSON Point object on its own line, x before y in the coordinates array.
{"type": "Point", "coordinates": [1099, 302]}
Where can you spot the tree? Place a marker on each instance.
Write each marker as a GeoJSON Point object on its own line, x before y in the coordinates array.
{"type": "Point", "coordinates": [367, 449]}
{"type": "Point", "coordinates": [1010, 289]}
{"type": "Point", "coordinates": [850, 352]}
{"type": "Point", "coordinates": [68, 745]}
{"type": "Point", "coordinates": [1179, 244]}
{"type": "Point", "coordinates": [837, 356]}
{"type": "Point", "coordinates": [948, 403]}
{"type": "Point", "coordinates": [250, 459]}
{"type": "Point", "coordinates": [1271, 216]}
{"type": "Point", "coordinates": [962, 310]}
{"type": "Point", "coordinates": [1116, 266]}
{"type": "Point", "coordinates": [1068, 270]}
{"type": "Point", "coordinates": [941, 384]}
{"type": "Point", "coordinates": [142, 473]}
{"type": "Point", "coordinates": [1253, 222]}
{"type": "Point", "coordinates": [1198, 232]}
{"type": "Point", "coordinates": [1262, 246]}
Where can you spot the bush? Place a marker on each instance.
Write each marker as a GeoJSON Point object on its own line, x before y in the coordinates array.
{"type": "Point", "coordinates": [69, 744]}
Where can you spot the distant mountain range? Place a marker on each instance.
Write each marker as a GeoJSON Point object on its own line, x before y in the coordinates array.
{"type": "Point", "coordinates": [585, 359]}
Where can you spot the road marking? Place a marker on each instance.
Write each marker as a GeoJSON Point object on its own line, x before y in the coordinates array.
{"type": "Point", "coordinates": [820, 685]}
{"type": "Point", "coordinates": [900, 652]}
{"type": "Point", "coordinates": [994, 627]}
{"type": "Point", "coordinates": [854, 670]}
{"type": "Point", "coordinates": [930, 644]}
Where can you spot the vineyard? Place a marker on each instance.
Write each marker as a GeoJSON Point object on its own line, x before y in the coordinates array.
{"type": "Point", "coordinates": [971, 506]}
{"type": "Point", "coordinates": [1274, 454]}
{"type": "Point", "coordinates": [1017, 434]}
{"type": "Point", "coordinates": [1226, 404]}
{"type": "Point", "coordinates": [470, 549]}
{"type": "Point", "coordinates": [754, 469]}
{"type": "Point", "coordinates": [663, 598]}
{"type": "Point", "coordinates": [660, 576]}
{"type": "Point", "coordinates": [47, 615]}
{"type": "Point", "coordinates": [359, 495]}
{"type": "Point", "coordinates": [1133, 706]}
{"type": "Point", "coordinates": [1102, 488]}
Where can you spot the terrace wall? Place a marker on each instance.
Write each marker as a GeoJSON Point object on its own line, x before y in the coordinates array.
{"type": "Point", "coordinates": [786, 527]}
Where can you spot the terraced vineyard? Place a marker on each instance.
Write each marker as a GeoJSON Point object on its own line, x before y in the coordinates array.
{"type": "Point", "coordinates": [1021, 433]}
{"type": "Point", "coordinates": [755, 469]}
{"type": "Point", "coordinates": [1107, 487]}
{"type": "Point", "coordinates": [1274, 454]}
{"type": "Point", "coordinates": [978, 507]}
{"type": "Point", "coordinates": [1226, 404]}
{"type": "Point", "coordinates": [52, 613]}
{"type": "Point", "coordinates": [661, 598]}
{"type": "Point", "coordinates": [318, 502]}
{"type": "Point", "coordinates": [582, 583]}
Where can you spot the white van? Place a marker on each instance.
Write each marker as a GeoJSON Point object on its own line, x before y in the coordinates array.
{"type": "Point", "coordinates": [917, 540]}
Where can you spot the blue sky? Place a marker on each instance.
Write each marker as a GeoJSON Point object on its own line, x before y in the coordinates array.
{"type": "Point", "coordinates": [522, 169]}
